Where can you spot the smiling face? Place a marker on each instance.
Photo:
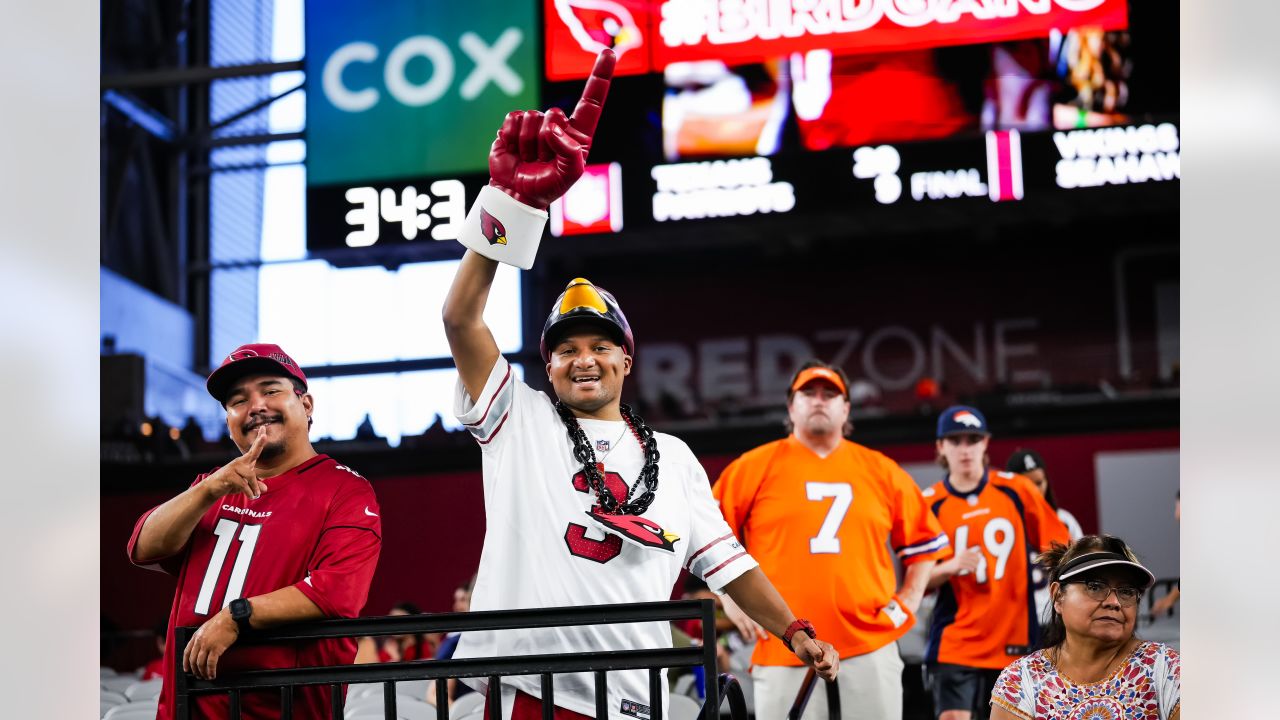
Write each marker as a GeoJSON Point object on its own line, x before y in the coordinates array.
{"type": "Point", "coordinates": [1108, 620]}
{"type": "Point", "coordinates": [269, 401]}
{"type": "Point", "coordinates": [818, 409]}
{"type": "Point", "coordinates": [586, 367]}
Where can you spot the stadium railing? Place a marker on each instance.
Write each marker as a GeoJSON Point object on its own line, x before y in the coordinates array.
{"type": "Point", "coordinates": [806, 691]}
{"type": "Point", "coordinates": [187, 687]}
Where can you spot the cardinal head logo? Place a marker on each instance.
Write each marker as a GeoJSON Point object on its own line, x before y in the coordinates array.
{"type": "Point", "coordinates": [599, 24]}
{"type": "Point", "coordinates": [492, 228]}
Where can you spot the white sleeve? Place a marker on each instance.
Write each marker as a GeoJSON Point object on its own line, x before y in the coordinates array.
{"type": "Point", "coordinates": [485, 417]}
{"type": "Point", "coordinates": [714, 554]}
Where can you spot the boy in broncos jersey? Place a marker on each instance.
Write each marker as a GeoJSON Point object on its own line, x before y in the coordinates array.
{"type": "Point", "coordinates": [585, 504]}
{"type": "Point", "coordinates": [985, 614]}
{"type": "Point", "coordinates": [280, 534]}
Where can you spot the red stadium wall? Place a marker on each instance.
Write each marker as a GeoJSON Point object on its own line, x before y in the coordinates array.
{"type": "Point", "coordinates": [433, 525]}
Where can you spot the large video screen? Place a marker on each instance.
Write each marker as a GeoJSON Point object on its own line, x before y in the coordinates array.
{"type": "Point", "coordinates": [757, 107]}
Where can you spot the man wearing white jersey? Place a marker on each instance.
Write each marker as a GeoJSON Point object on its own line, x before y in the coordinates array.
{"type": "Point", "coordinates": [584, 503]}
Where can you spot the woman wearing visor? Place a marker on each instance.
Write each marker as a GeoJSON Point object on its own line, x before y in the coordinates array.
{"type": "Point", "coordinates": [1092, 665]}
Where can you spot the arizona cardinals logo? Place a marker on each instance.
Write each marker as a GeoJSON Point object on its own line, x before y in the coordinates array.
{"type": "Point", "coordinates": [640, 530]}
{"type": "Point", "coordinates": [241, 355]}
{"type": "Point", "coordinates": [492, 228]}
{"type": "Point", "coordinates": [599, 24]}
{"type": "Point", "coordinates": [964, 417]}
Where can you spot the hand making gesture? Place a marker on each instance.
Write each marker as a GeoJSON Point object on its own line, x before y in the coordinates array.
{"type": "Point", "coordinates": [538, 156]}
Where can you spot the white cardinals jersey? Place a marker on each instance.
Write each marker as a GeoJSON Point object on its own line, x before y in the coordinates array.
{"type": "Point", "coordinates": [543, 549]}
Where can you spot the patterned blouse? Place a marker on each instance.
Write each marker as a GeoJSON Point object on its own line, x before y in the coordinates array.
{"type": "Point", "coordinates": [1146, 687]}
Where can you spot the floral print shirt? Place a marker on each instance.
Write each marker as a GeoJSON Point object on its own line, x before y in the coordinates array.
{"type": "Point", "coordinates": [1147, 686]}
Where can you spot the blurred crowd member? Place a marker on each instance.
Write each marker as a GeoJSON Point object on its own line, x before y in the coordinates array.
{"type": "Point", "coordinates": [1166, 603]}
{"type": "Point", "coordinates": [1092, 664]}
{"type": "Point", "coordinates": [983, 617]}
{"type": "Point", "coordinates": [695, 588]}
{"type": "Point", "coordinates": [461, 604]}
{"type": "Point", "coordinates": [1029, 463]}
{"type": "Point", "coordinates": [394, 648]}
{"type": "Point", "coordinates": [155, 668]}
{"type": "Point", "coordinates": [815, 505]}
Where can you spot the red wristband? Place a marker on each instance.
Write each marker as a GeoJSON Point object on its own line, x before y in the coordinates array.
{"type": "Point", "coordinates": [800, 625]}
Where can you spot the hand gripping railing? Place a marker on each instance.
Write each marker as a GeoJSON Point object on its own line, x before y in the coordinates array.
{"type": "Point", "coordinates": [806, 690]}
{"type": "Point", "coordinates": [186, 687]}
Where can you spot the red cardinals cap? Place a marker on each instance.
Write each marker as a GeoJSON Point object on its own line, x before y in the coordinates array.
{"type": "Point", "coordinates": [808, 375]}
{"type": "Point", "coordinates": [583, 301]}
{"type": "Point", "coordinates": [962, 419]}
{"type": "Point", "coordinates": [250, 359]}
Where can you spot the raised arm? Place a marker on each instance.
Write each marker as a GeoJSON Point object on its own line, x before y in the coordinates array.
{"type": "Point", "coordinates": [535, 159]}
{"type": "Point", "coordinates": [470, 340]}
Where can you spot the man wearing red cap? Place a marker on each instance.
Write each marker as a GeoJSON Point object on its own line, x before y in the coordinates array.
{"type": "Point", "coordinates": [815, 505]}
{"type": "Point", "coordinates": [280, 534]}
{"type": "Point", "coordinates": [585, 504]}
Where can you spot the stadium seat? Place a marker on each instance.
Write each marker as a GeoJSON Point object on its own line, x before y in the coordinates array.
{"type": "Point", "coordinates": [683, 707]}
{"type": "Point", "coordinates": [113, 697]}
{"type": "Point", "coordinates": [466, 705]}
{"type": "Point", "coordinates": [143, 690]}
{"type": "Point", "coordinates": [685, 685]}
{"type": "Point", "coordinates": [374, 702]}
{"type": "Point", "coordinates": [359, 690]}
{"type": "Point", "coordinates": [414, 688]}
{"type": "Point", "coordinates": [132, 711]}
{"type": "Point", "coordinates": [118, 683]}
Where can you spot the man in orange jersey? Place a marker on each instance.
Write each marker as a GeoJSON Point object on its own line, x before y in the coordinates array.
{"type": "Point", "coordinates": [985, 614]}
{"type": "Point", "coordinates": [818, 513]}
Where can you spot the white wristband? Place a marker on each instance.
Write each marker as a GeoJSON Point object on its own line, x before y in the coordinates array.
{"type": "Point", "coordinates": [511, 232]}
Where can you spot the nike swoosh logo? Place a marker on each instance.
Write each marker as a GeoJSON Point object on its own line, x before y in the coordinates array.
{"type": "Point", "coordinates": [370, 514]}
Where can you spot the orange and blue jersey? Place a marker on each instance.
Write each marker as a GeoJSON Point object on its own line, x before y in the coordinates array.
{"type": "Point", "coordinates": [987, 618]}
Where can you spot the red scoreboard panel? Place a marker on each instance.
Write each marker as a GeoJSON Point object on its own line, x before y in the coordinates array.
{"type": "Point", "coordinates": [649, 35]}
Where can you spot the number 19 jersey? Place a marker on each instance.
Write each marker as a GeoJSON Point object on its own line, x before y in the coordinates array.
{"type": "Point", "coordinates": [986, 618]}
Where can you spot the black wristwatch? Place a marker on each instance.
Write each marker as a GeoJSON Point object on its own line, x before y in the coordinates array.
{"type": "Point", "coordinates": [241, 611]}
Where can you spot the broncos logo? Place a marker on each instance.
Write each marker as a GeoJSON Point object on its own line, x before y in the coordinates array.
{"type": "Point", "coordinates": [493, 229]}
{"type": "Point", "coordinates": [964, 417]}
{"type": "Point", "coordinates": [599, 24]}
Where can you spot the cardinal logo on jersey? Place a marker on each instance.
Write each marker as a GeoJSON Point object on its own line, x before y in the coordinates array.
{"type": "Point", "coordinates": [640, 530]}
{"type": "Point", "coordinates": [600, 24]}
{"type": "Point", "coordinates": [492, 228]}
{"type": "Point", "coordinates": [964, 417]}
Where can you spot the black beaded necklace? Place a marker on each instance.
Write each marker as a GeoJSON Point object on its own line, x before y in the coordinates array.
{"type": "Point", "coordinates": [594, 471]}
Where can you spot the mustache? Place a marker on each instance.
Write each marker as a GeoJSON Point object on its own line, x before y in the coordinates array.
{"type": "Point", "coordinates": [259, 420]}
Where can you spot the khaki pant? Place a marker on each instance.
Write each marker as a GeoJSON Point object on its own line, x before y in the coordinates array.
{"type": "Point", "coordinates": [870, 688]}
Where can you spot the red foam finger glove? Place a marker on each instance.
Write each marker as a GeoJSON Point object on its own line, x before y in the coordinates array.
{"type": "Point", "coordinates": [537, 157]}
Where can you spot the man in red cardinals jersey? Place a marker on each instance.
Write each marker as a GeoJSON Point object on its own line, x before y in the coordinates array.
{"type": "Point", "coordinates": [277, 535]}
{"type": "Point", "coordinates": [985, 614]}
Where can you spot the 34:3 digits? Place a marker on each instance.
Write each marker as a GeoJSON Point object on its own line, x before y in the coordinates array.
{"type": "Point", "coordinates": [442, 210]}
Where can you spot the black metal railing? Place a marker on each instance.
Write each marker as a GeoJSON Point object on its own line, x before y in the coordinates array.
{"type": "Point", "coordinates": [187, 687]}
{"type": "Point", "coordinates": [806, 691]}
